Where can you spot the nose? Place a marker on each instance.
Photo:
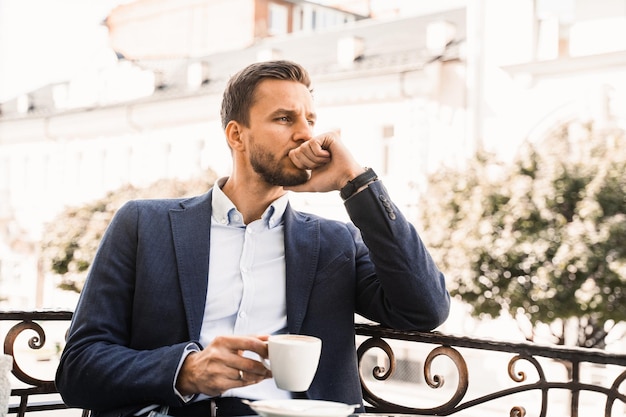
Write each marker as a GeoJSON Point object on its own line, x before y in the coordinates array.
{"type": "Point", "coordinates": [303, 129]}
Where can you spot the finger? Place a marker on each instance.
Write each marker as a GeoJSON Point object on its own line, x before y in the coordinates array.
{"type": "Point", "coordinates": [253, 368]}
{"type": "Point", "coordinates": [239, 360]}
{"type": "Point", "coordinates": [238, 344]}
{"type": "Point", "coordinates": [305, 158]}
{"type": "Point", "coordinates": [242, 378]}
{"type": "Point", "coordinates": [316, 151]}
{"type": "Point", "coordinates": [233, 374]}
{"type": "Point", "coordinates": [313, 149]}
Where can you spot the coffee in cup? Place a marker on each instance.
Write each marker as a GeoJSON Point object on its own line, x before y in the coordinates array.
{"type": "Point", "coordinates": [293, 360]}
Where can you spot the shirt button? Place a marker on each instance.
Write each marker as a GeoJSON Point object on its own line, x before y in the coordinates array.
{"type": "Point", "coordinates": [242, 314]}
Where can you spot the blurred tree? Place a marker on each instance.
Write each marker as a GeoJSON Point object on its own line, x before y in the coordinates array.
{"type": "Point", "coordinates": [70, 241]}
{"type": "Point", "coordinates": [543, 239]}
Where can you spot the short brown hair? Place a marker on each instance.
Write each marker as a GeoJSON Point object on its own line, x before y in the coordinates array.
{"type": "Point", "coordinates": [239, 93]}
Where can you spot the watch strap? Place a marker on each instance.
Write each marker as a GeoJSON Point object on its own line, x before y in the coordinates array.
{"type": "Point", "coordinates": [359, 181]}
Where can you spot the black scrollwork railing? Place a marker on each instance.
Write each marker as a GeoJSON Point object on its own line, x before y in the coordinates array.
{"type": "Point", "coordinates": [524, 364]}
{"type": "Point", "coordinates": [612, 400]}
{"type": "Point", "coordinates": [29, 324]}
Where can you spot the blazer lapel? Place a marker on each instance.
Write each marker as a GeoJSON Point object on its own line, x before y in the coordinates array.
{"type": "Point", "coordinates": [191, 228]}
{"type": "Point", "coordinates": [302, 245]}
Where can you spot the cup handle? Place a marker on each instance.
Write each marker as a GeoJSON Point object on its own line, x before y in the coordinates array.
{"type": "Point", "coordinates": [266, 363]}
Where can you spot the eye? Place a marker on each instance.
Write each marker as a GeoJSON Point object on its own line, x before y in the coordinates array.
{"type": "Point", "coordinates": [311, 122]}
{"type": "Point", "coordinates": [283, 119]}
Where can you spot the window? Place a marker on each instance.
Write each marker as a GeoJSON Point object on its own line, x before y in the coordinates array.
{"type": "Point", "coordinates": [388, 133]}
{"type": "Point", "coordinates": [277, 19]}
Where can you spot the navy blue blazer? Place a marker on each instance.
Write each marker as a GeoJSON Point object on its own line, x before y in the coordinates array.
{"type": "Point", "coordinates": [144, 298]}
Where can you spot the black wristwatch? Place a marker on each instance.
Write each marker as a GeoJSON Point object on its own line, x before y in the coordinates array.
{"type": "Point", "coordinates": [353, 185]}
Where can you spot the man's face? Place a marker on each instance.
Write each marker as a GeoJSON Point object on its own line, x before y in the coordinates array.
{"type": "Point", "coordinates": [281, 119]}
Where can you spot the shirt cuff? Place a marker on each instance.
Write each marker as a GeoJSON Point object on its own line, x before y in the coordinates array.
{"type": "Point", "coordinates": [190, 348]}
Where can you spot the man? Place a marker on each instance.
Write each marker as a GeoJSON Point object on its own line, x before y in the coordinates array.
{"type": "Point", "coordinates": [183, 293]}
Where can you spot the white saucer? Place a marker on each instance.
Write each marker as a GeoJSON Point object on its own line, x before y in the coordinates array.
{"type": "Point", "coordinates": [299, 408]}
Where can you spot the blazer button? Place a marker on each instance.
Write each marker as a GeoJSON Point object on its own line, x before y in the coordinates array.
{"type": "Point", "coordinates": [387, 205]}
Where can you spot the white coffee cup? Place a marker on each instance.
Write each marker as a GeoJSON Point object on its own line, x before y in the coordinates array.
{"type": "Point", "coordinates": [293, 360]}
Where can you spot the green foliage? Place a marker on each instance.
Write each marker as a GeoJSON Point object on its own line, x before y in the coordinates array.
{"type": "Point", "coordinates": [71, 240]}
{"type": "Point", "coordinates": [543, 238]}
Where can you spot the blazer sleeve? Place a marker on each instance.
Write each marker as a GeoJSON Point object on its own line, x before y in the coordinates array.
{"type": "Point", "coordinates": [407, 291]}
{"type": "Point", "coordinates": [100, 368]}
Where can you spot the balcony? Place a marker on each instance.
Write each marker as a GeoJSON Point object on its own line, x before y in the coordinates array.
{"type": "Point", "coordinates": [401, 372]}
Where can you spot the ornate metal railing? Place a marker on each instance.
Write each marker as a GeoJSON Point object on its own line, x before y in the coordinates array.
{"type": "Point", "coordinates": [541, 360]}
{"type": "Point", "coordinates": [27, 326]}
{"type": "Point", "coordinates": [398, 365]}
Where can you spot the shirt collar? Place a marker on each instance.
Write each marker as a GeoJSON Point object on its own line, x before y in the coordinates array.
{"type": "Point", "coordinates": [225, 212]}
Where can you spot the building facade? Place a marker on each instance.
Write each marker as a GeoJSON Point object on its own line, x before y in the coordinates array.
{"type": "Point", "coordinates": [409, 92]}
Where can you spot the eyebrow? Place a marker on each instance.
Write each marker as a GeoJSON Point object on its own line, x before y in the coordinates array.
{"type": "Point", "coordinates": [292, 113]}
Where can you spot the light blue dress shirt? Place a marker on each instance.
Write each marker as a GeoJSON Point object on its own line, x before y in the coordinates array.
{"type": "Point", "coordinates": [246, 284]}
{"type": "Point", "coordinates": [246, 287]}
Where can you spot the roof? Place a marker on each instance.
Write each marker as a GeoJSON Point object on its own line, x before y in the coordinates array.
{"type": "Point", "coordinates": [389, 46]}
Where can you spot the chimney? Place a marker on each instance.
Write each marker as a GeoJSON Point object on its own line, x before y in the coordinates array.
{"type": "Point", "coordinates": [438, 35]}
{"type": "Point", "coordinates": [60, 96]}
{"type": "Point", "coordinates": [197, 74]}
{"type": "Point", "coordinates": [268, 54]}
{"type": "Point", "coordinates": [24, 103]}
{"type": "Point", "coordinates": [159, 80]}
{"type": "Point", "coordinates": [349, 50]}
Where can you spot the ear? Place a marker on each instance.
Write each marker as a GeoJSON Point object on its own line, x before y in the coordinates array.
{"type": "Point", "coordinates": [234, 132]}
